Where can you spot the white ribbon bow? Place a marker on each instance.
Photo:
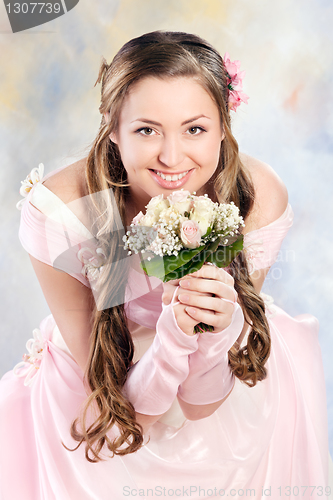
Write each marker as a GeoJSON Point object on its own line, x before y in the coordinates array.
{"type": "Point", "coordinates": [92, 264]}
{"type": "Point", "coordinates": [31, 362]}
{"type": "Point", "coordinates": [253, 250]}
{"type": "Point", "coordinates": [31, 179]}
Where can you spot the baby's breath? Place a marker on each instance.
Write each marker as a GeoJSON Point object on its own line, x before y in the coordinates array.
{"type": "Point", "coordinates": [160, 231]}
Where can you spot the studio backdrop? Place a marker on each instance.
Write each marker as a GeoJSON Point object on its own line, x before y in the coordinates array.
{"type": "Point", "coordinates": [49, 114]}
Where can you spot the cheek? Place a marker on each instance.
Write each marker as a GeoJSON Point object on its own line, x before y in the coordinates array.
{"type": "Point", "coordinates": [215, 148]}
{"type": "Point", "coordinates": [208, 156]}
{"type": "Point", "coordinates": [134, 158]}
{"type": "Point", "coordinates": [127, 153]}
{"type": "Point", "coordinates": [138, 154]}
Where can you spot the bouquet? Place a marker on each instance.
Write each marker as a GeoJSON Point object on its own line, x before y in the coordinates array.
{"type": "Point", "coordinates": [180, 233]}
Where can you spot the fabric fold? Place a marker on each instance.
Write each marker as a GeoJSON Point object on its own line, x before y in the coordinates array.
{"type": "Point", "coordinates": [271, 436]}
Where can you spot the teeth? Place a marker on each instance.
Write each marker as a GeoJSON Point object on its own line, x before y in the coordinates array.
{"type": "Point", "coordinates": [173, 177]}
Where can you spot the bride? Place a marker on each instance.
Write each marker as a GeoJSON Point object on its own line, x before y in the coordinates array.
{"type": "Point", "coordinates": [118, 396]}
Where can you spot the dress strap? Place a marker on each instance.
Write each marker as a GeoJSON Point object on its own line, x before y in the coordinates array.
{"type": "Point", "coordinates": [53, 207]}
{"type": "Point", "coordinates": [54, 240]}
{"type": "Point", "coordinates": [262, 245]}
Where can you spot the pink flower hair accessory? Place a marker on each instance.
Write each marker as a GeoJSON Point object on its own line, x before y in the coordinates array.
{"type": "Point", "coordinates": [235, 82]}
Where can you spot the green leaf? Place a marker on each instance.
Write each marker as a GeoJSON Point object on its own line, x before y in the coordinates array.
{"type": "Point", "coordinates": [192, 266]}
{"type": "Point", "coordinates": [195, 263]}
{"type": "Point", "coordinates": [172, 267]}
{"type": "Point", "coordinates": [153, 267]}
{"type": "Point", "coordinates": [209, 230]}
{"type": "Point", "coordinates": [224, 255]}
{"type": "Point", "coordinates": [211, 247]}
{"type": "Point", "coordinates": [172, 262]}
{"type": "Point", "coordinates": [162, 266]}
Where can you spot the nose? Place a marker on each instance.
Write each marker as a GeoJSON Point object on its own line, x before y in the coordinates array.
{"type": "Point", "coordinates": [171, 152]}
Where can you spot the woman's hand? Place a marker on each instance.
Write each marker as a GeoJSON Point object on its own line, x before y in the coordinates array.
{"type": "Point", "coordinates": [201, 296]}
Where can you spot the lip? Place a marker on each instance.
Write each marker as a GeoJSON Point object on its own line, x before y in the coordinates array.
{"type": "Point", "coordinates": [171, 184]}
{"type": "Point", "coordinates": [168, 172]}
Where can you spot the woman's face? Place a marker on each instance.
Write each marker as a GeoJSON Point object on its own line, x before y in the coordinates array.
{"type": "Point", "coordinates": [169, 137]}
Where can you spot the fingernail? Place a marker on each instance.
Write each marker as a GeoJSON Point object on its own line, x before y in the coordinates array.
{"type": "Point", "coordinates": [191, 311]}
{"type": "Point", "coordinates": [185, 283]}
{"type": "Point", "coordinates": [183, 298]}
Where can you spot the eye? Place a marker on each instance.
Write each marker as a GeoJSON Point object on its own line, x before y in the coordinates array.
{"type": "Point", "coordinates": [145, 131]}
{"type": "Point", "coordinates": [196, 130]}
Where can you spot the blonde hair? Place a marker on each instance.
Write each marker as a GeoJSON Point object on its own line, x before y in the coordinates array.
{"type": "Point", "coordinates": [159, 54]}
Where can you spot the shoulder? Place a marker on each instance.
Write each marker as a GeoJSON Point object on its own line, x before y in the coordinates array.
{"type": "Point", "coordinates": [69, 184]}
{"type": "Point", "coordinates": [271, 195]}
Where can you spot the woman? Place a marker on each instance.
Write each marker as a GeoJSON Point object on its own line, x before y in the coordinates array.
{"type": "Point", "coordinates": [239, 411]}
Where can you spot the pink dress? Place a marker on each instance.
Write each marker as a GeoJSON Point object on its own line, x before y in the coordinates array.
{"type": "Point", "coordinates": [270, 440]}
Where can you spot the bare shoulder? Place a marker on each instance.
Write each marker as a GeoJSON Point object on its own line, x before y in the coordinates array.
{"type": "Point", "coordinates": [271, 195]}
{"type": "Point", "coordinates": [69, 184]}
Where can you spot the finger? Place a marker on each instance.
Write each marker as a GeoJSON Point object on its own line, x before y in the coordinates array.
{"type": "Point", "coordinates": [166, 298]}
{"type": "Point", "coordinates": [214, 304]}
{"type": "Point", "coordinates": [172, 282]}
{"type": "Point", "coordinates": [218, 321]}
{"type": "Point", "coordinates": [212, 286]}
{"type": "Point", "coordinates": [169, 291]}
{"type": "Point", "coordinates": [213, 272]}
{"type": "Point", "coordinates": [184, 321]}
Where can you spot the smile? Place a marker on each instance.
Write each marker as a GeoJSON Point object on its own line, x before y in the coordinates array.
{"type": "Point", "coordinates": [175, 177]}
{"type": "Point", "coordinates": [174, 181]}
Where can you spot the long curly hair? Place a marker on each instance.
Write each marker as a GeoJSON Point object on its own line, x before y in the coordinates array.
{"type": "Point", "coordinates": [162, 54]}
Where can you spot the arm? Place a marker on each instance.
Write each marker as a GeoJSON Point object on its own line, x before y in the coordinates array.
{"type": "Point", "coordinates": [271, 201]}
{"type": "Point", "coordinates": [71, 300]}
{"type": "Point", "coordinates": [153, 382]}
{"type": "Point", "coordinates": [210, 363]}
{"type": "Point", "coordinates": [71, 304]}
{"type": "Point", "coordinates": [210, 380]}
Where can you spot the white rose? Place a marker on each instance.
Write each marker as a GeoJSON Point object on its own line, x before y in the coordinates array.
{"type": "Point", "coordinates": [202, 204]}
{"type": "Point", "coordinates": [156, 205]}
{"type": "Point", "coordinates": [148, 220]}
{"type": "Point", "coordinates": [203, 222]}
{"type": "Point", "coordinates": [181, 201]}
{"type": "Point", "coordinates": [169, 215]}
{"type": "Point", "coordinates": [203, 213]}
{"type": "Point", "coordinates": [137, 218]}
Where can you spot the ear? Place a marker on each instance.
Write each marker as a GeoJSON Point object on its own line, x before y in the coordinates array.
{"type": "Point", "coordinates": [112, 135]}
{"type": "Point", "coordinates": [222, 134]}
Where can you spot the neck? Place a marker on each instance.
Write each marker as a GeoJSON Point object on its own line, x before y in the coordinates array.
{"type": "Point", "coordinates": [133, 208]}
{"type": "Point", "coordinates": [136, 203]}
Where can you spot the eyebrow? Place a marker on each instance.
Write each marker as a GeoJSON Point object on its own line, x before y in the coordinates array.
{"type": "Point", "coordinates": [160, 125]}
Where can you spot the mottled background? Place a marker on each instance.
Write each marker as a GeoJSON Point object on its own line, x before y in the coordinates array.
{"type": "Point", "coordinates": [49, 114]}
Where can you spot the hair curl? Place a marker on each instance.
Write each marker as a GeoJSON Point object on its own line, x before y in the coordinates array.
{"type": "Point", "coordinates": [159, 54]}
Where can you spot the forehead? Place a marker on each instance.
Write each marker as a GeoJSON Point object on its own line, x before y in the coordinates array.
{"type": "Point", "coordinates": [176, 96]}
